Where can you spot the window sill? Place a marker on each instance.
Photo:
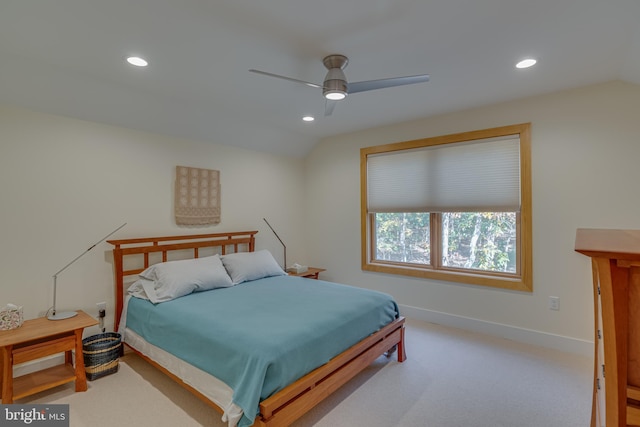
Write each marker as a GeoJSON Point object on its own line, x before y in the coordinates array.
{"type": "Point", "coordinates": [494, 281]}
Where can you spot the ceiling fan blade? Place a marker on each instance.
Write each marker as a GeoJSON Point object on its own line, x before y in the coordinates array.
{"type": "Point", "coordinates": [285, 78]}
{"type": "Point", "coordinates": [382, 83]}
{"type": "Point", "coordinates": [328, 107]}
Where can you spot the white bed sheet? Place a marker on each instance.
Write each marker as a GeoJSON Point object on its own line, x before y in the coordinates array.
{"type": "Point", "coordinates": [211, 387]}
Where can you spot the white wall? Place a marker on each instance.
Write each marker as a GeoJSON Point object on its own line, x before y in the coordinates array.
{"type": "Point", "coordinates": [66, 183]}
{"type": "Point", "coordinates": [585, 151]}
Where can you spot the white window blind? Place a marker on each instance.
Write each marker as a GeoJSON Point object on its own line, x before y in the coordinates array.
{"type": "Point", "coordinates": [478, 176]}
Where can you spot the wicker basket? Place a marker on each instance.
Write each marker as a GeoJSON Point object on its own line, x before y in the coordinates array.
{"type": "Point", "coordinates": [101, 353]}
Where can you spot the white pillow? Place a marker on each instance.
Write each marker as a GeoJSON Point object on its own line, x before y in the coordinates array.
{"type": "Point", "coordinates": [169, 280]}
{"type": "Point", "coordinates": [245, 266]}
{"type": "Point", "coordinates": [140, 287]}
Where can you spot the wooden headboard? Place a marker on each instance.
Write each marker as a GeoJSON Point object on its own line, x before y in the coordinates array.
{"type": "Point", "coordinates": [137, 253]}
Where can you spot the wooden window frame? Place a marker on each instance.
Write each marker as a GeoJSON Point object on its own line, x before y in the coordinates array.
{"type": "Point", "coordinates": [522, 280]}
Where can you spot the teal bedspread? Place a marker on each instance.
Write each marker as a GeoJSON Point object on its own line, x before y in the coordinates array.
{"type": "Point", "coordinates": [261, 336]}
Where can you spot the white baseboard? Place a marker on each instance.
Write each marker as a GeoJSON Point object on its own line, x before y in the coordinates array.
{"type": "Point", "coordinates": [528, 336]}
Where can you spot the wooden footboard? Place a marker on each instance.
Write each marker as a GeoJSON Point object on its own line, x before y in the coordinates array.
{"type": "Point", "coordinates": [289, 404]}
{"type": "Point", "coordinates": [297, 399]}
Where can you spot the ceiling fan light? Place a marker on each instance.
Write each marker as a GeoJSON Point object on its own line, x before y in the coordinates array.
{"type": "Point", "coordinates": [137, 61]}
{"type": "Point", "coordinates": [335, 95]}
{"type": "Point", "coordinates": [526, 63]}
{"type": "Point", "coordinates": [335, 89]}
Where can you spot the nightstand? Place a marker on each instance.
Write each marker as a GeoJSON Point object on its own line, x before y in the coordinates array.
{"type": "Point", "coordinates": [38, 338]}
{"type": "Point", "coordinates": [311, 273]}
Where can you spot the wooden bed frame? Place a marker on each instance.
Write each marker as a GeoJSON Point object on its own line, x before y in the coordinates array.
{"type": "Point", "coordinates": [289, 404]}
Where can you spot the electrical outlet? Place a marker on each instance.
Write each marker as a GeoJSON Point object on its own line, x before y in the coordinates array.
{"type": "Point", "coordinates": [554, 303]}
{"type": "Point", "coordinates": [102, 306]}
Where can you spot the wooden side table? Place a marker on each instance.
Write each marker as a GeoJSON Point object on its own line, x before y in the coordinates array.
{"type": "Point", "coordinates": [311, 273]}
{"type": "Point", "coordinates": [38, 338]}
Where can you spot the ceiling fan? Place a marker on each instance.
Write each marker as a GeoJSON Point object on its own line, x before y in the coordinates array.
{"type": "Point", "coordinates": [335, 86]}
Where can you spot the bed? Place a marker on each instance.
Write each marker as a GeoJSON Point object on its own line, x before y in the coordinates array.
{"type": "Point", "coordinates": [269, 346]}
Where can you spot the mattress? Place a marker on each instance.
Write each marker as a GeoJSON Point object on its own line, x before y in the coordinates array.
{"type": "Point", "coordinates": [206, 384]}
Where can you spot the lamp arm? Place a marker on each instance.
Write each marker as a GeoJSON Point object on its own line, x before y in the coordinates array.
{"type": "Point", "coordinates": [83, 253]}
{"type": "Point", "coordinates": [55, 276]}
{"type": "Point", "coordinates": [283, 245]}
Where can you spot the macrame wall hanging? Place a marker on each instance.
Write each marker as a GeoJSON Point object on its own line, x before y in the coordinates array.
{"type": "Point", "coordinates": [197, 198]}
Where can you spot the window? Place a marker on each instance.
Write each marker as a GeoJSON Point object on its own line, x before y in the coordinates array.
{"type": "Point", "coordinates": [454, 208]}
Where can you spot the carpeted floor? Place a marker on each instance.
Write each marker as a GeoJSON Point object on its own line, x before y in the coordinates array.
{"type": "Point", "coordinates": [451, 378]}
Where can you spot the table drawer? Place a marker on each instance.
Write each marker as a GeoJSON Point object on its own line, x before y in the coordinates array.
{"type": "Point", "coordinates": [43, 349]}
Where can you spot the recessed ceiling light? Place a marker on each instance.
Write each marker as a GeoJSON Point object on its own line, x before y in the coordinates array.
{"type": "Point", "coordinates": [308, 118]}
{"type": "Point", "coordinates": [526, 63]}
{"type": "Point", "coordinates": [137, 61]}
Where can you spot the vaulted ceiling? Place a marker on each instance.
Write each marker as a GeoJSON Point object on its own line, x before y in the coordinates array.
{"type": "Point", "coordinates": [68, 57]}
